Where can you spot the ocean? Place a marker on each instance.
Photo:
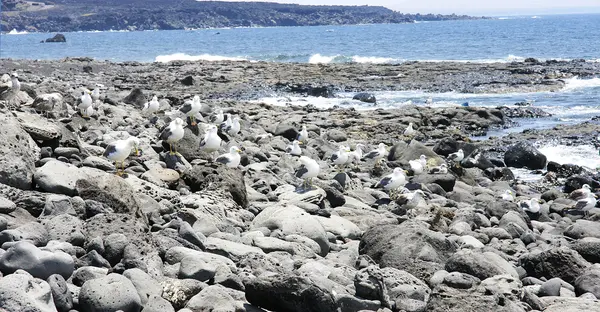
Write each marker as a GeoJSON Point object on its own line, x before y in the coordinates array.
{"type": "Point", "coordinates": [504, 39]}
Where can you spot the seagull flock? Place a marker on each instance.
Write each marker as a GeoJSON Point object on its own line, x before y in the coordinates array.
{"type": "Point", "coordinates": [394, 183]}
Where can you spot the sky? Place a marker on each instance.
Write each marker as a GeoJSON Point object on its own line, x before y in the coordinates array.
{"type": "Point", "coordinates": [472, 7]}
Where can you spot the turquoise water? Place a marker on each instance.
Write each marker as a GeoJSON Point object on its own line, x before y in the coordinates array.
{"type": "Point", "coordinates": [505, 39]}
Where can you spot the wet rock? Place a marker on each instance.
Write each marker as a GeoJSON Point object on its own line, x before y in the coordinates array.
{"type": "Point", "coordinates": [57, 38]}
{"type": "Point", "coordinates": [365, 97]}
{"type": "Point", "coordinates": [524, 154]}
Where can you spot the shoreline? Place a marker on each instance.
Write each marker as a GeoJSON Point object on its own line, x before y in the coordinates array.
{"type": "Point", "coordinates": [182, 232]}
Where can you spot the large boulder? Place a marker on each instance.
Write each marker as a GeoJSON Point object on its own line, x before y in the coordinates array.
{"type": "Point", "coordinates": [110, 293]}
{"type": "Point", "coordinates": [202, 178]}
{"type": "Point", "coordinates": [135, 97]}
{"type": "Point", "coordinates": [60, 178]}
{"type": "Point", "coordinates": [524, 155]}
{"type": "Point", "coordinates": [22, 292]}
{"type": "Point", "coordinates": [560, 262]}
{"type": "Point", "coordinates": [18, 154]}
{"type": "Point", "coordinates": [290, 293]}
{"type": "Point", "coordinates": [404, 153]}
{"type": "Point", "coordinates": [39, 263]}
{"type": "Point", "coordinates": [112, 191]}
{"type": "Point", "coordinates": [212, 298]}
{"type": "Point", "coordinates": [292, 220]}
{"type": "Point", "coordinates": [480, 264]}
{"type": "Point", "coordinates": [450, 299]}
{"type": "Point", "coordinates": [589, 281]}
{"type": "Point", "coordinates": [410, 246]}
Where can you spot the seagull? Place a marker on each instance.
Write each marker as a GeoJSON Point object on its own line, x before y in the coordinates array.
{"type": "Point", "coordinates": [429, 101]}
{"type": "Point", "coordinates": [409, 131]}
{"type": "Point", "coordinates": [340, 157]}
{"type": "Point", "coordinates": [173, 133]}
{"type": "Point", "coordinates": [303, 135]}
{"type": "Point", "coordinates": [356, 155]}
{"type": "Point", "coordinates": [418, 166]}
{"type": "Point", "coordinates": [96, 94]}
{"type": "Point", "coordinates": [508, 196]}
{"type": "Point", "coordinates": [191, 108]}
{"type": "Point", "coordinates": [151, 107]}
{"type": "Point", "coordinates": [392, 181]}
{"type": "Point", "coordinates": [86, 102]}
{"type": "Point", "coordinates": [294, 149]}
{"type": "Point", "coordinates": [584, 204]}
{"type": "Point", "coordinates": [583, 192]}
{"type": "Point", "coordinates": [218, 117]}
{"type": "Point", "coordinates": [15, 83]}
{"type": "Point", "coordinates": [212, 141]}
{"type": "Point", "coordinates": [231, 159]}
{"type": "Point", "coordinates": [10, 93]}
{"type": "Point", "coordinates": [308, 170]}
{"type": "Point", "coordinates": [531, 207]}
{"type": "Point", "coordinates": [410, 199]}
{"type": "Point", "coordinates": [120, 150]}
{"type": "Point", "coordinates": [441, 169]}
{"type": "Point", "coordinates": [231, 125]}
{"type": "Point", "coordinates": [377, 153]}
{"type": "Point", "coordinates": [458, 156]}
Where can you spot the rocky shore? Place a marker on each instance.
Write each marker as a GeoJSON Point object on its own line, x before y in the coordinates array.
{"type": "Point", "coordinates": [184, 233]}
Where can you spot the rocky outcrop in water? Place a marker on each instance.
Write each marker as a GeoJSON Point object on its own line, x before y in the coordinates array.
{"type": "Point", "coordinates": [184, 233]}
{"type": "Point", "coordinates": [57, 38]}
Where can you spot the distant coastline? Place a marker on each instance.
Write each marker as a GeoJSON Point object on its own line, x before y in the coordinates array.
{"type": "Point", "coordinates": [136, 15]}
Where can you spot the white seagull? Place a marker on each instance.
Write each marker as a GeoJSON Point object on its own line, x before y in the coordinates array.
{"type": "Point", "coordinates": [294, 149]}
{"type": "Point", "coordinates": [231, 159]}
{"type": "Point", "coordinates": [581, 193]}
{"type": "Point", "coordinates": [173, 133]}
{"type": "Point", "coordinates": [86, 102]}
{"type": "Point", "coordinates": [15, 83]}
{"type": "Point", "coordinates": [308, 170]}
{"type": "Point", "coordinates": [212, 141]}
{"type": "Point", "coordinates": [191, 108]}
{"type": "Point", "coordinates": [150, 108]}
{"type": "Point", "coordinates": [508, 196]}
{"type": "Point", "coordinates": [303, 135]}
{"type": "Point", "coordinates": [458, 156]}
{"type": "Point", "coordinates": [418, 166]}
{"type": "Point", "coordinates": [531, 207]}
{"type": "Point", "coordinates": [409, 131]}
{"type": "Point", "coordinates": [392, 181]}
{"type": "Point", "coordinates": [231, 125]}
{"type": "Point", "coordinates": [585, 204]}
{"type": "Point", "coordinates": [218, 117]}
{"type": "Point", "coordinates": [96, 94]}
{"type": "Point", "coordinates": [340, 157]}
{"type": "Point", "coordinates": [441, 169]}
{"type": "Point", "coordinates": [356, 155]}
{"type": "Point", "coordinates": [377, 153]}
{"type": "Point", "coordinates": [119, 150]}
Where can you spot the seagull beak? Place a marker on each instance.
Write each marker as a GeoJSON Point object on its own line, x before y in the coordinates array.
{"type": "Point", "coordinates": [239, 150]}
{"type": "Point", "coordinates": [405, 171]}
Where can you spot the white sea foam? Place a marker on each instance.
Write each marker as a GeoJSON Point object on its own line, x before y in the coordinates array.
{"type": "Point", "coordinates": [581, 155]}
{"type": "Point", "coordinates": [201, 57]}
{"type": "Point", "coordinates": [577, 83]}
{"type": "Point", "coordinates": [16, 32]}
{"type": "Point", "coordinates": [321, 59]}
{"type": "Point", "coordinates": [373, 59]}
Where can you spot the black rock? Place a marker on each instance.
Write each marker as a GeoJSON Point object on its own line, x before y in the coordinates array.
{"type": "Point", "coordinates": [220, 177]}
{"type": "Point", "coordinates": [564, 171]}
{"type": "Point", "coordinates": [446, 181]}
{"type": "Point", "coordinates": [136, 97]}
{"type": "Point", "coordinates": [499, 174]}
{"type": "Point", "coordinates": [88, 69]}
{"type": "Point", "coordinates": [577, 181]}
{"type": "Point", "coordinates": [57, 38]}
{"type": "Point", "coordinates": [187, 81]}
{"type": "Point", "coordinates": [287, 131]}
{"type": "Point", "coordinates": [445, 147]}
{"type": "Point", "coordinates": [524, 154]}
{"type": "Point", "coordinates": [365, 97]}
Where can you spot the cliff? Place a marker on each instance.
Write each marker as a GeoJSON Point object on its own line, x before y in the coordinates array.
{"type": "Point", "coordinates": [85, 15]}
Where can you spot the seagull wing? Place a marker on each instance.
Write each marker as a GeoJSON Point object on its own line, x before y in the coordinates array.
{"type": "Point", "coordinates": [385, 181]}
{"type": "Point", "coordinates": [166, 134]}
{"type": "Point", "coordinates": [372, 154]}
{"type": "Point", "coordinates": [224, 159]}
{"type": "Point", "coordinates": [110, 149]}
{"type": "Point", "coordinates": [186, 108]}
{"type": "Point", "coordinates": [301, 171]}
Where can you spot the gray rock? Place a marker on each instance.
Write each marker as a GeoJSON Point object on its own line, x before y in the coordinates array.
{"type": "Point", "coordinates": [146, 286]}
{"type": "Point", "coordinates": [22, 292]}
{"type": "Point", "coordinates": [31, 231]}
{"type": "Point", "coordinates": [560, 304]}
{"type": "Point", "coordinates": [365, 97]}
{"type": "Point", "coordinates": [114, 245]}
{"type": "Point", "coordinates": [179, 291]}
{"type": "Point", "coordinates": [460, 280]}
{"type": "Point", "coordinates": [18, 154]}
{"type": "Point", "coordinates": [447, 299]}
{"type": "Point", "coordinates": [98, 163]}
{"type": "Point", "coordinates": [503, 286]}
{"type": "Point", "coordinates": [287, 131]}
{"type": "Point", "coordinates": [560, 262]}
{"type": "Point", "coordinates": [158, 304]}
{"type": "Point", "coordinates": [60, 178]}
{"type": "Point", "coordinates": [292, 220]}
{"type": "Point", "coordinates": [229, 249]}
{"type": "Point", "coordinates": [395, 289]}
{"type": "Point", "coordinates": [550, 287]}
{"type": "Point", "coordinates": [336, 135]}
{"type": "Point", "coordinates": [87, 273]}
{"type": "Point", "coordinates": [66, 228]}
{"type": "Point", "coordinates": [47, 103]}
{"type": "Point", "coordinates": [58, 205]}
{"type": "Point", "coordinates": [7, 206]}
{"type": "Point", "coordinates": [589, 281]}
{"type": "Point", "coordinates": [198, 269]}
{"type": "Point", "coordinates": [285, 292]}
{"type": "Point", "coordinates": [63, 300]}
{"type": "Point", "coordinates": [588, 248]}
{"type": "Point", "coordinates": [410, 246]}
{"type": "Point", "coordinates": [583, 228]}
{"type": "Point", "coordinates": [202, 178]}
{"type": "Point", "coordinates": [39, 263]}
{"type": "Point", "coordinates": [108, 294]}
{"type": "Point", "coordinates": [480, 264]}
{"type": "Point", "coordinates": [212, 298]}
{"type": "Point", "coordinates": [446, 181]}
{"type": "Point", "coordinates": [111, 191]}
